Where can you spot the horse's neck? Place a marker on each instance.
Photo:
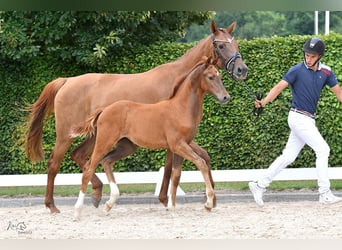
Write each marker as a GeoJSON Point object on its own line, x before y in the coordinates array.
{"type": "Point", "coordinates": [195, 54]}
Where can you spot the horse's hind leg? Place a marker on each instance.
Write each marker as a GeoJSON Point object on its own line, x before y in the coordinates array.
{"type": "Point", "coordinates": [54, 162]}
{"type": "Point", "coordinates": [80, 155]}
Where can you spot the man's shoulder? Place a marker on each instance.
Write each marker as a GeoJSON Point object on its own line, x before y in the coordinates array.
{"type": "Point", "coordinates": [326, 69]}
{"type": "Point", "coordinates": [299, 66]}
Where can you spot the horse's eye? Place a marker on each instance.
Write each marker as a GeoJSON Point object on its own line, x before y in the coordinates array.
{"type": "Point", "coordinates": [221, 46]}
{"type": "Point", "coordinates": [211, 78]}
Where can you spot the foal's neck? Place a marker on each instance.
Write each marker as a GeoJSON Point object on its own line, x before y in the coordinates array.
{"type": "Point", "coordinates": [190, 97]}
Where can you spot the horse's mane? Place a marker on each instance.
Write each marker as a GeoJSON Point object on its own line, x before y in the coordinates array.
{"type": "Point", "coordinates": [179, 80]}
{"type": "Point", "coordinates": [199, 46]}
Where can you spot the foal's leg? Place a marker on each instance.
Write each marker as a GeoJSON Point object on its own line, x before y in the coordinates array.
{"type": "Point", "coordinates": [80, 155]}
{"type": "Point", "coordinates": [88, 172]}
{"type": "Point", "coordinates": [123, 148]}
{"type": "Point", "coordinates": [168, 169]}
{"type": "Point", "coordinates": [103, 145]}
{"type": "Point", "coordinates": [114, 190]}
{"type": "Point", "coordinates": [204, 154]}
{"type": "Point", "coordinates": [175, 178]}
{"type": "Point", "coordinates": [166, 178]}
{"type": "Point", "coordinates": [183, 149]}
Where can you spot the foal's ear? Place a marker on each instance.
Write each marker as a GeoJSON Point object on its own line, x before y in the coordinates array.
{"type": "Point", "coordinates": [211, 61]}
{"type": "Point", "coordinates": [214, 61]}
{"type": "Point", "coordinates": [230, 29]}
{"type": "Point", "coordinates": [208, 60]}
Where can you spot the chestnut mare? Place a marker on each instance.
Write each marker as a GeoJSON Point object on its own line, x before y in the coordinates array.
{"type": "Point", "coordinates": [73, 99]}
{"type": "Point", "coordinates": [170, 124]}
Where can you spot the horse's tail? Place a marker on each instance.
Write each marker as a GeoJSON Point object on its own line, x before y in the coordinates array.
{"type": "Point", "coordinates": [44, 106]}
{"type": "Point", "coordinates": [86, 128]}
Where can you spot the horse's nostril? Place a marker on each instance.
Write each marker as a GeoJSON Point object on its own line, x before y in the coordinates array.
{"type": "Point", "coordinates": [226, 99]}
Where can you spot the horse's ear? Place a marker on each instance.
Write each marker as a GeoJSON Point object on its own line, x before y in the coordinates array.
{"type": "Point", "coordinates": [213, 27]}
{"type": "Point", "coordinates": [231, 28]}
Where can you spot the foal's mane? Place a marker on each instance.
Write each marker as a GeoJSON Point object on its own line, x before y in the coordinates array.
{"type": "Point", "coordinates": [205, 62]}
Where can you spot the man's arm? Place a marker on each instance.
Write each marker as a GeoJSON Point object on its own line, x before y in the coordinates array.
{"type": "Point", "coordinates": [338, 92]}
{"type": "Point", "coordinates": [274, 92]}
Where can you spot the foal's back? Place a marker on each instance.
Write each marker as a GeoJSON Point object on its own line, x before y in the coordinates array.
{"type": "Point", "coordinates": [152, 126]}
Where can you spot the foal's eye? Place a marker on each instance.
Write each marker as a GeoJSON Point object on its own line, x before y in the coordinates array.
{"type": "Point", "coordinates": [211, 78]}
{"type": "Point", "coordinates": [221, 46]}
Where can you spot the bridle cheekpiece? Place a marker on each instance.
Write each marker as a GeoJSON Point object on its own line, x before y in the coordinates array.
{"type": "Point", "coordinates": [229, 65]}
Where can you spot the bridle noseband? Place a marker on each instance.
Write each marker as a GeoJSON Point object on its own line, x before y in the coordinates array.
{"type": "Point", "coordinates": [229, 65]}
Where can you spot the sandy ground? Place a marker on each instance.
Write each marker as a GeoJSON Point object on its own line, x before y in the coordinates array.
{"type": "Point", "coordinates": [232, 220]}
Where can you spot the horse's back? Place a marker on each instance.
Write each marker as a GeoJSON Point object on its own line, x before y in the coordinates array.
{"type": "Point", "coordinates": [85, 93]}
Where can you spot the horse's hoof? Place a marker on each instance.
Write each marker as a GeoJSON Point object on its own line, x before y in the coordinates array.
{"type": "Point", "coordinates": [95, 201]}
{"type": "Point", "coordinates": [54, 210]}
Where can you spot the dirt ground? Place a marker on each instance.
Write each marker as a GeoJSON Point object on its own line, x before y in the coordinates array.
{"type": "Point", "coordinates": [231, 220]}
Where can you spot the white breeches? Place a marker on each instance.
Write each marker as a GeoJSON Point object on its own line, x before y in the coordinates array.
{"type": "Point", "coordinates": [303, 131]}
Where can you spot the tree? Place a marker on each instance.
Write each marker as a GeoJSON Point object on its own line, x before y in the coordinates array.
{"type": "Point", "coordinates": [253, 24]}
{"type": "Point", "coordinates": [88, 38]}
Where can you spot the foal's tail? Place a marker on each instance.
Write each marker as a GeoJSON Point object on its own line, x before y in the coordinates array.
{"type": "Point", "coordinates": [44, 106]}
{"type": "Point", "coordinates": [86, 128]}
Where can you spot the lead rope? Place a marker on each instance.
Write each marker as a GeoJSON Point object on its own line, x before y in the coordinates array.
{"type": "Point", "coordinates": [256, 112]}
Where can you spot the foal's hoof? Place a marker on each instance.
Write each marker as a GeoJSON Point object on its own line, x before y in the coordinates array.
{"type": "Point", "coordinates": [77, 214]}
{"type": "Point", "coordinates": [208, 206]}
{"type": "Point", "coordinates": [214, 201]}
{"type": "Point", "coordinates": [95, 201]}
{"type": "Point", "coordinates": [163, 200]}
{"type": "Point", "coordinates": [107, 207]}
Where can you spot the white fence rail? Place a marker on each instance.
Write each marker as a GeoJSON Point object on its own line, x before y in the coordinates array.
{"type": "Point", "coordinates": [156, 177]}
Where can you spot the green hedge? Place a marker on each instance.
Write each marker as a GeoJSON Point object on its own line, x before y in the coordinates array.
{"type": "Point", "coordinates": [233, 140]}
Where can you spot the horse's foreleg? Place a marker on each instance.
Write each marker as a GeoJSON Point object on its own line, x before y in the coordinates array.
{"type": "Point", "coordinates": [80, 155]}
{"type": "Point", "coordinates": [175, 178]}
{"type": "Point", "coordinates": [204, 154]}
{"type": "Point", "coordinates": [53, 168]}
{"type": "Point", "coordinates": [186, 151]}
{"type": "Point", "coordinates": [166, 178]}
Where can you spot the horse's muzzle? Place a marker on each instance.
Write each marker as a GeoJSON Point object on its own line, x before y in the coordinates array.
{"type": "Point", "coordinates": [224, 99]}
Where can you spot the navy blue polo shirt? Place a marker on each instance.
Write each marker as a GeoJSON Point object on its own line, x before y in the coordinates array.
{"type": "Point", "coordinates": [306, 85]}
